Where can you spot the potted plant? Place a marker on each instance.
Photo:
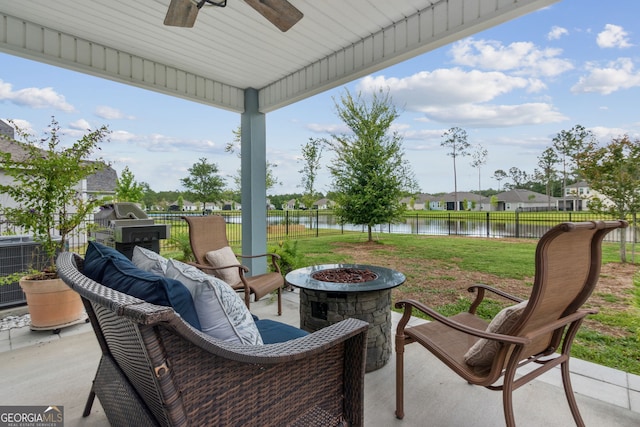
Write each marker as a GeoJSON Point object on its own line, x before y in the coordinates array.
{"type": "Point", "coordinates": [45, 175]}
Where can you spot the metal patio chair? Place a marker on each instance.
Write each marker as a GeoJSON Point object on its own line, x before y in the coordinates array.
{"type": "Point", "coordinates": [540, 330]}
{"type": "Point", "coordinates": [210, 246]}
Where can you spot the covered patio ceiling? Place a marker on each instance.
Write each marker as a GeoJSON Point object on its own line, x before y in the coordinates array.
{"type": "Point", "coordinates": [234, 48]}
{"type": "Point", "coordinates": [233, 58]}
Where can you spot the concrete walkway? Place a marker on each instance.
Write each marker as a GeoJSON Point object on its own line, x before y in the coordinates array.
{"type": "Point", "coordinates": [41, 368]}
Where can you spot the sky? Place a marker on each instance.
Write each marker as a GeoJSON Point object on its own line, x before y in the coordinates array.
{"type": "Point", "coordinates": [512, 88]}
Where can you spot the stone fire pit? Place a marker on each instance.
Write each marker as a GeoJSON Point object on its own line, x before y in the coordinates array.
{"type": "Point", "coordinates": [344, 275]}
{"type": "Point", "coordinates": [333, 292]}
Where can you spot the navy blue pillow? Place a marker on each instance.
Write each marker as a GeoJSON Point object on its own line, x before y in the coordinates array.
{"type": "Point", "coordinates": [273, 332]}
{"type": "Point", "coordinates": [111, 268]}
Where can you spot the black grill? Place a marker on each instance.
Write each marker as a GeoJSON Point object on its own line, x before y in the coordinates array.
{"type": "Point", "coordinates": [124, 226]}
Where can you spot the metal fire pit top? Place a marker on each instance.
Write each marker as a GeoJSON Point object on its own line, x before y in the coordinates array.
{"type": "Point", "coordinates": [379, 278]}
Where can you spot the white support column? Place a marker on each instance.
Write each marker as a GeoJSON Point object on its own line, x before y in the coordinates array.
{"type": "Point", "coordinates": [253, 182]}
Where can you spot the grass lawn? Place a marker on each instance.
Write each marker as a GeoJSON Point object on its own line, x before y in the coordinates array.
{"type": "Point", "coordinates": [440, 268]}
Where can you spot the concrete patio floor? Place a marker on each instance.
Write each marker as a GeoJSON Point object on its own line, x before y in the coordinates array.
{"type": "Point", "coordinates": [41, 368]}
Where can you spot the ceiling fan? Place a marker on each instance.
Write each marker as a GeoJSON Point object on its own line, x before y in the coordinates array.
{"type": "Point", "coordinates": [281, 13]}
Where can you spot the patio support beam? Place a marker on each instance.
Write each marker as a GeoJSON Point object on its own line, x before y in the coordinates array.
{"type": "Point", "coordinates": [253, 164]}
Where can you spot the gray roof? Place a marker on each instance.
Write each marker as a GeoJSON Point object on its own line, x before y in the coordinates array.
{"type": "Point", "coordinates": [103, 181]}
{"type": "Point", "coordinates": [520, 195]}
{"type": "Point", "coordinates": [462, 195]}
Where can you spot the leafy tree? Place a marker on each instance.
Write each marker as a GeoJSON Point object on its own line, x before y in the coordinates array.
{"type": "Point", "coordinates": [479, 159]}
{"type": "Point", "coordinates": [456, 141]}
{"type": "Point", "coordinates": [547, 173]}
{"type": "Point", "coordinates": [44, 186]}
{"type": "Point", "coordinates": [127, 189]}
{"type": "Point", "coordinates": [494, 201]}
{"type": "Point", "coordinates": [568, 144]}
{"type": "Point", "coordinates": [614, 171]}
{"type": "Point", "coordinates": [499, 175]}
{"type": "Point", "coordinates": [149, 197]}
{"type": "Point", "coordinates": [311, 155]}
{"type": "Point", "coordinates": [234, 147]}
{"type": "Point", "coordinates": [369, 172]}
{"type": "Point", "coordinates": [518, 177]}
{"type": "Point", "coordinates": [203, 184]}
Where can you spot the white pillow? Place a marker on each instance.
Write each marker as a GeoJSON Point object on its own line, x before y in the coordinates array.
{"type": "Point", "coordinates": [221, 257]}
{"type": "Point", "coordinates": [221, 312]}
{"type": "Point", "coordinates": [149, 261]}
{"type": "Point", "coordinates": [484, 350]}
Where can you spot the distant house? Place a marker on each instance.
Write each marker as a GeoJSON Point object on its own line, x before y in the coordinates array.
{"type": "Point", "coordinates": [293, 204]}
{"type": "Point", "coordinates": [418, 202]}
{"type": "Point", "coordinates": [520, 199]}
{"type": "Point", "coordinates": [466, 201]}
{"type": "Point", "coordinates": [577, 197]}
{"type": "Point", "coordinates": [323, 204]}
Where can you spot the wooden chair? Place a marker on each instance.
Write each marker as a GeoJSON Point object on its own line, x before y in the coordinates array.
{"type": "Point", "coordinates": [157, 370]}
{"type": "Point", "coordinates": [567, 262]}
{"type": "Point", "coordinates": [209, 233]}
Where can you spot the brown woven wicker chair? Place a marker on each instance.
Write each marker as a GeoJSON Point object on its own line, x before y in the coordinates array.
{"type": "Point", "coordinates": [157, 370]}
{"type": "Point", "coordinates": [567, 262]}
{"type": "Point", "coordinates": [209, 233]}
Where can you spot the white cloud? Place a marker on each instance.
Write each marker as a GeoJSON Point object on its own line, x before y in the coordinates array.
{"type": "Point", "coordinates": [34, 97]}
{"type": "Point", "coordinates": [80, 124]}
{"type": "Point", "coordinates": [613, 36]}
{"type": "Point", "coordinates": [486, 115]}
{"type": "Point", "coordinates": [110, 113]}
{"type": "Point", "coordinates": [444, 87]}
{"type": "Point", "coordinates": [617, 75]}
{"type": "Point", "coordinates": [333, 129]}
{"type": "Point", "coordinates": [521, 58]}
{"type": "Point", "coordinates": [605, 134]}
{"type": "Point", "coordinates": [557, 32]}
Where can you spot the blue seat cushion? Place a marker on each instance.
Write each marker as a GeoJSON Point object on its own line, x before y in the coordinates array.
{"type": "Point", "coordinates": [273, 332]}
{"type": "Point", "coordinates": [111, 268]}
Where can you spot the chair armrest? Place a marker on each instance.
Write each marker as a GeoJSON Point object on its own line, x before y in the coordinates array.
{"type": "Point", "coordinates": [408, 305]}
{"type": "Point", "coordinates": [273, 256]}
{"type": "Point", "coordinates": [481, 288]}
{"type": "Point", "coordinates": [296, 349]}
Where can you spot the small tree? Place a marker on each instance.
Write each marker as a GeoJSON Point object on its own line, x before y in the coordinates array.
{"type": "Point", "coordinates": [203, 184]}
{"type": "Point", "coordinates": [455, 139]}
{"type": "Point", "coordinates": [568, 144]}
{"type": "Point", "coordinates": [369, 173]}
{"type": "Point", "coordinates": [311, 155]}
{"type": "Point", "coordinates": [499, 175]}
{"type": "Point", "coordinates": [547, 174]}
{"type": "Point", "coordinates": [479, 159]}
{"type": "Point", "coordinates": [518, 176]}
{"type": "Point", "coordinates": [127, 189]}
{"type": "Point", "coordinates": [45, 178]}
{"type": "Point", "coordinates": [614, 172]}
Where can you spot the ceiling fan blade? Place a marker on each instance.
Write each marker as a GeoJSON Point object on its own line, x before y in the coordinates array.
{"type": "Point", "coordinates": [281, 13]}
{"type": "Point", "coordinates": [181, 13]}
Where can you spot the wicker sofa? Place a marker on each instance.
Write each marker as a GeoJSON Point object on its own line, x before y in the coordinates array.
{"type": "Point", "coordinates": [156, 369]}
